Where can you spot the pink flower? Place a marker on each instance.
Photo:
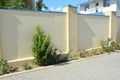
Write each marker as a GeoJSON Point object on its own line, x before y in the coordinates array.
{"type": "Point", "coordinates": [111, 39]}
{"type": "Point", "coordinates": [113, 42]}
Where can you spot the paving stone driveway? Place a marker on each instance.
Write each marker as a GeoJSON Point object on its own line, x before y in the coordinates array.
{"type": "Point", "coordinates": [103, 67]}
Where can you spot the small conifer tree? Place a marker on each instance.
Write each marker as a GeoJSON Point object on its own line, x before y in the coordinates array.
{"type": "Point", "coordinates": [42, 49]}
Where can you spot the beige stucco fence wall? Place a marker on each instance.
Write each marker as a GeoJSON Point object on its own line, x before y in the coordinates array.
{"type": "Point", "coordinates": [69, 30]}
{"type": "Point", "coordinates": [17, 29]}
{"type": "Point", "coordinates": [118, 30]}
{"type": "Point", "coordinates": [92, 29]}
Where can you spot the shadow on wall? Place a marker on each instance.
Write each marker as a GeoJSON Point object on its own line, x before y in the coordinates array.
{"type": "Point", "coordinates": [85, 34]}
{"type": "Point", "coordinates": [9, 32]}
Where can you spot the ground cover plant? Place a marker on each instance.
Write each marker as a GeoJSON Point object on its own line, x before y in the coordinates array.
{"type": "Point", "coordinates": [5, 68]}
{"type": "Point", "coordinates": [26, 66]}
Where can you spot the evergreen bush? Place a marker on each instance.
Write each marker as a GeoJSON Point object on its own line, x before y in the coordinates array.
{"type": "Point", "coordinates": [42, 48]}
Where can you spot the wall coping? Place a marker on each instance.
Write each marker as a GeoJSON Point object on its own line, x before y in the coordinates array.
{"type": "Point", "coordinates": [32, 10]}
{"type": "Point", "coordinates": [93, 15]}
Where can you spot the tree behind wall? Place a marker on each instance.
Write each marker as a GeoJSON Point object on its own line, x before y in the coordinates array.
{"type": "Point", "coordinates": [29, 4]}
{"type": "Point", "coordinates": [3, 3]}
{"type": "Point", "coordinates": [23, 4]}
{"type": "Point", "coordinates": [17, 4]}
{"type": "Point", "coordinates": [40, 5]}
{"type": "Point", "coordinates": [11, 4]}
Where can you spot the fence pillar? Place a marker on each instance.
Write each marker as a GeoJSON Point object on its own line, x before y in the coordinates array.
{"type": "Point", "coordinates": [112, 25]}
{"type": "Point", "coordinates": [0, 54]}
{"type": "Point", "coordinates": [0, 47]}
{"type": "Point", "coordinates": [72, 28]}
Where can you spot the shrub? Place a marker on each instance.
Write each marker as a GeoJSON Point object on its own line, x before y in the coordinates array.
{"type": "Point", "coordinates": [42, 48]}
{"type": "Point", "coordinates": [73, 57]}
{"type": "Point", "coordinates": [96, 51]}
{"type": "Point", "coordinates": [5, 68]}
{"type": "Point", "coordinates": [117, 46]}
{"type": "Point", "coordinates": [84, 54]}
{"type": "Point", "coordinates": [26, 66]}
{"type": "Point", "coordinates": [99, 51]}
{"type": "Point", "coordinates": [108, 45]}
{"type": "Point", "coordinates": [93, 52]}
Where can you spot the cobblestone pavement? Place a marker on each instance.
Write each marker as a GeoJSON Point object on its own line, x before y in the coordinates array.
{"type": "Point", "coordinates": [103, 67]}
